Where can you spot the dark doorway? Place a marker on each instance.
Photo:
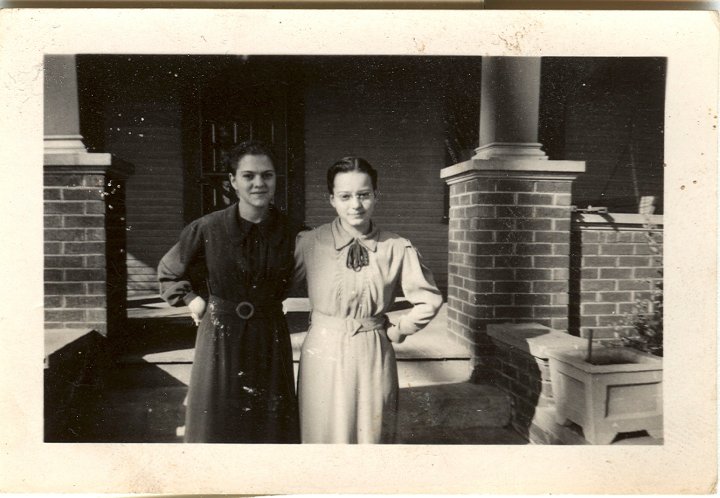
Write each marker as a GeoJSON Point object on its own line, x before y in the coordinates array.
{"type": "Point", "coordinates": [255, 112]}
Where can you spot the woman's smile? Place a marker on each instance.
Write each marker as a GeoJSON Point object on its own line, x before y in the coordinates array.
{"type": "Point", "coordinates": [254, 182]}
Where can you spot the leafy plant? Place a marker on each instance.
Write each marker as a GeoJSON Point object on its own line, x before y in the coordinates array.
{"type": "Point", "coordinates": [646, 322]}
{"type": "Point", "coordinates": [643, 328]}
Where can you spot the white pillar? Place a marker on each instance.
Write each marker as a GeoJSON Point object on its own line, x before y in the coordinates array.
{"type": "Point", "coordinates": [509, 109]}
{"type": "Point", "coordinates": [61, 110]}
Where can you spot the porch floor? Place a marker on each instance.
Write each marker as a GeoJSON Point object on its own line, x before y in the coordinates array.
{"type": "Point", "coordinates": [142, 395]}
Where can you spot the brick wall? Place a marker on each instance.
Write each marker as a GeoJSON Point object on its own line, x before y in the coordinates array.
{"type": "Point", "coordinates": [508, 254]}
{"type": "Point", "coordinates": [396, 122]}
{"type": "Point", "coordinates": [526, 379]}
{"type": "Point", "coordinates": [148, 134]}
{"type": "Point", "coordinates": [612, 267]}
{"type": "Point", "coordinates": [84, 248]}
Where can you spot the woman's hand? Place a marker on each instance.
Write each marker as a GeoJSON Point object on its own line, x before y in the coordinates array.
{"type": "Point", "coordinates": [394, 334]}
{"type": "Point", "coordinates": [197, 309]}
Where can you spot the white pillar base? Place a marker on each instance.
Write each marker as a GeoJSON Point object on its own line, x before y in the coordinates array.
{"type": "Point", "coordinates": [523, 168]}
{"type": "Point", "coordinates": [508, 150]}
{"type": "Point", "coordinates": [63, 144]}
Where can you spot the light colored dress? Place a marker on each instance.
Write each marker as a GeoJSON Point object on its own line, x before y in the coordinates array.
{"type": "Point", "coordinates": [348, 382]}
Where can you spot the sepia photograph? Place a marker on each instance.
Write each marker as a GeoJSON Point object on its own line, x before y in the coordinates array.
{"type": "Point", "coordinates": [518, 299]}
{"type": "Point", "coordinates": [294, 247]}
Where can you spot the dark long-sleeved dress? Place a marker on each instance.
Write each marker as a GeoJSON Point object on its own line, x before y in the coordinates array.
{"type": "Point", "coordinates": [242, 388]}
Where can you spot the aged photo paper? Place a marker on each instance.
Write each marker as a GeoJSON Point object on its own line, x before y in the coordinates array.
{"type": "Point", "coordinates": [685, 463]}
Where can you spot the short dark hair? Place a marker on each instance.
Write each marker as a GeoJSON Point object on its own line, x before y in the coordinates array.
{"type": "Point", "coordinates": [247, 148]}
{"type": "Point", "coordinates": [347, 164]}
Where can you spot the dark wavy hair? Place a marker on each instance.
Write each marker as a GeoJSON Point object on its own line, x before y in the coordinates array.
{"type": "Point", "coordinates": [347, 164]}
{"type": "Point", "coordinates": [247, 148]}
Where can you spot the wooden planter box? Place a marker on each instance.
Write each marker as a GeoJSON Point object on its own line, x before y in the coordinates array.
{"type": "Point", "coordinates": [620, 392]}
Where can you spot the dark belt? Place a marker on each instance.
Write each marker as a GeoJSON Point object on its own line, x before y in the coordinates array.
{"type": "Point", "coordinates": [246, 309]}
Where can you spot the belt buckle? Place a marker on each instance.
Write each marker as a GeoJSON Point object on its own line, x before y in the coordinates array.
{"type": "Point", "coordinates": [249, 313]}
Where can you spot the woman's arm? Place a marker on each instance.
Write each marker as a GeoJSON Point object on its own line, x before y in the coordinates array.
{"type": "Point", "coordinates": [174, 268]}
{"type": "Point", "coordinates": [420, 290]}
{"type": "Point", "coordinates": [299, 271]}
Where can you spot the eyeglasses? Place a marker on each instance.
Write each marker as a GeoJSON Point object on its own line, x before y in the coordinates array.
{"type": "Point", "coordinates": [361, 196]}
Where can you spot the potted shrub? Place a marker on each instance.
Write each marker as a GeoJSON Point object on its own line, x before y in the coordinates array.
{"type": "Point", "coordinates": [645, 331]}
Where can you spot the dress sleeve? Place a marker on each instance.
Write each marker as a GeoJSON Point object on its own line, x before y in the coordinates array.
{"type": "Point", "coordinates": [174, 269]}
{"type": "Point", "coordinates": [299, 271]}
{"type": "Point", "coordinates": [420, 290]}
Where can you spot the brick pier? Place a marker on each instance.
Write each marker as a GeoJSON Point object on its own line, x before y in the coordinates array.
{"type": "Point", "coordinates": [85, 269]}
{"type": "Point", "coordinates": [616, 262]}
{"type": "Point", "coordinates": [509, 247]}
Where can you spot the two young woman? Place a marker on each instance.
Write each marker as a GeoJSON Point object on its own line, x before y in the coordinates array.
{"type": "Point", "coordinates": [241, 388]}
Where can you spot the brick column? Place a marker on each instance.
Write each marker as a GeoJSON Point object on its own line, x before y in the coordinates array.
{"type": "Point", "coordinates": [616, 264]}
{"type": "Point", "coordinates": [85, 269]}
{"type": "Point", "coordinates": [509, 245]}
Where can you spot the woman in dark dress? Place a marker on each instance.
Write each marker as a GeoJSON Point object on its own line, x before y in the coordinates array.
{"type": "Point", "coordinates": [232, 268]}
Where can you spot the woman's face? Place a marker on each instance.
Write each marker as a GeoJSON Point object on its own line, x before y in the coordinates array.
{"type": "Point", "coordinates": [254, 181]}
{"type": "Point", "coordinates": [354, 199]}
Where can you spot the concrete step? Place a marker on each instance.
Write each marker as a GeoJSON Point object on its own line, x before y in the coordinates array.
{"type": "Point", "coordinates": [426, 358]}
{"type": "Point", "coordinates": [428, 372]}
{"type": "Point", "coordinates": [411, 373]}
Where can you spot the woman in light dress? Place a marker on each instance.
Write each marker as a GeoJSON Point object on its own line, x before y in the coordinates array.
{"type": "Point", "coordinates": [348, 381]}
